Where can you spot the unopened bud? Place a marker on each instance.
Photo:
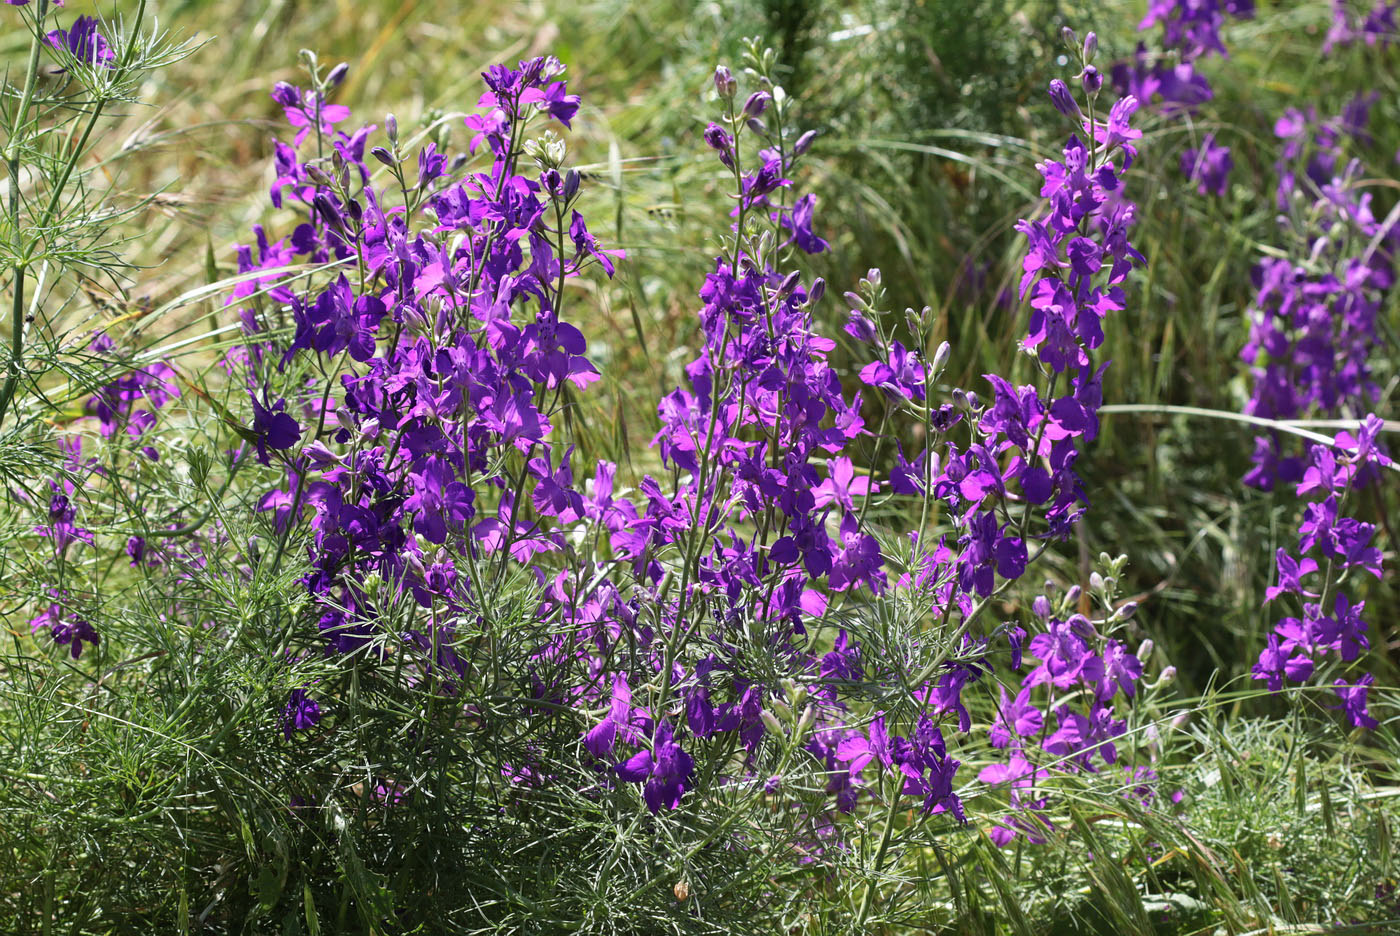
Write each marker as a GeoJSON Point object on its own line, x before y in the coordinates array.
{"type": "Point", "coordinates": [940, 357]}
{"type": "Point", "coordinates": [1144, 650]}
{"type": "Point", "coordinates": [391, 128]}
{"type": "Point", "coordinates": [1167, 678]}
{"type": "Point", "coordinates": [872, 276]}
{"type": "Point", "coordinates": [1095, 581]}
{"type": "Point", "coordinates": [1093, 81]}
{"type": "Point", "coordinates": [725, 83]}
{"type": "Point", "coordinates": [1064, 101]}
{"type": "Point", "coordinates": [804, 142]}
{"type": "Point", "coordinates": [337, 75]}
{"type": "Point", "coordinates": [1091, 47]}
{"type": "Point", "coordinates": [1127, 611]}
{"type": "Point", "coordinates": [319, 176]}
{"type": "Point", "coordinates": [383, 155]}
{"type": "Point", "coordinates": [1072, 596]}
{"type": "Point", "coordinates": [789, 284]}
{"type": "Point", "coordinates": [814, 295]}
{"type": "Point", "coordinates": [809, 714]}
{"type": "Point", "coordinates": [758, 126]}
{"type": "Point", "coordinates": [328, 211]}
{"type": "Point", "coordinates": [757, 103]}
{"type": "Point", "coordinates": [771, 722]}
{"type": "Point", "coordinates": [1069, 38]}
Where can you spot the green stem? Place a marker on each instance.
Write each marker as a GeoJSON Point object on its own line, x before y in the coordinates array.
{"type": "Point", "coordinates": [880, 852]}
{"type": "Point", "coordinates": [7, 392]}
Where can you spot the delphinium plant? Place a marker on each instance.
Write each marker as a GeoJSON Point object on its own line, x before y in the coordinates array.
{"type": "Point", "coordinates": [334, 628]}
{"type": "Point", "coordinates": [1320, 346]}
{"type": "Point", "coordinates": [735, 661]}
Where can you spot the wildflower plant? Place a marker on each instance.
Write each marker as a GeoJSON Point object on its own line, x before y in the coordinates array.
{"type": "Point", "coordinates": [335, 625]}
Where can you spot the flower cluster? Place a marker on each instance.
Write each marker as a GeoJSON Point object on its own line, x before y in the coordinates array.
{"type": "Point", "coordinates": [1169, 79]}
{"type": "Point", "coordinates": [438, 400]}
{"type": "Point", "coordinates": [690, 622]}
{"type": "Point", "coordinates": [1314, 319]}
{"type": "Point", "coordinates": [1081, 672]}
{"type": "Point", "coordinates": [1331, 547]}
{"type": "Point", "coordinates": [1354, 22]}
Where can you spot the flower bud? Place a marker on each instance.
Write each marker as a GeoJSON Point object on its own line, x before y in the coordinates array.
{"type": "Point", "coordinates": [571, 184]}
{"type": "Point", "coordinates": [758, 126]}
{"type": "Point", "coordinates": [809, 714]}
{"type": "Point", "coordinates": [1040, 607]}
{"type": "Point", "coordinates": [960, 399]}
{"type": "Point", "coordinates": [328, 211]}
{"type": "Point", "coordinates": [1072, 596]}
{"type": "Point", "coordinates": [974, 402]}
{"type": "Point", "coordinates": [1091, 47]}
{"type": "Point", "coordinates": [1167, 678]}
{"type": "Point", "coordinates": [770, 721]}
{"type": "Point", "coordinates": [1064, 101]}
{"type": "Point", "coordinates": [814, 295]}
{"type": "Point", "coordinates": [757, 103]}
{"type": "Point", "coordinates": [1093, 81]}
{"type": "Point", "coordinates": [383, 155]}
{"type": "Point", "coordinates": [872, 276]}
{"type": "Point", "coordinates": [286, 95]}
{"type": "Point", "coordinates": [719, 140]}
{"type": "Point", "coordinates": [725, 83]}
{"type": "Point", "coordinates": [1095, 581]}
{"type": "Point", "coordinates": [804, 142]}
{"type": "Point", "coordinates": [1127, 611]}
{"type": "Point", "coordinates": [789, 284]}
{"type": "Point", "coordinates": [391, 128]}
{"type": "Point", "coordinates": [1144, 650]}
{"type": "Point", "coordinates": [1069, 38]}
{"type": "Point", "coordinates": [940, 357]}
{"type": "Point", "coordinates": [337, 76]}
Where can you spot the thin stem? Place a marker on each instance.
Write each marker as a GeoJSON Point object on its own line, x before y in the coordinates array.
{"type": "Point", "coordinates": [7, 392]}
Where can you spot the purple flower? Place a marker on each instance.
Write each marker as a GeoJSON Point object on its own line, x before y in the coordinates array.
{"type": "Point", "coordinates": [1353, 698]}
{"type": "Point", "coordinates": [300, 713]}
{"type": "Point", "coordinates": [84, 43]}
{"type": "Point", "coordinates": [66, 628]}
{"type": "Point", "coordinates": [799, 222]}
{"type": "Point", "coordinates": [1209, 166]}
{"type": "Point", "coordinates": [664, 769]}
{"type": "Point", "coordinates": [554, 101]}
{"type": "Point", "coordinates": [273, 429]}
{"type": "Point", "coordinates": [1015, 717]}
{"type": "Point", "coordinates": [860, 750]}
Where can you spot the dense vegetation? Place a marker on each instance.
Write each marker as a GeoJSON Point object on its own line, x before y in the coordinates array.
{"type": "Point", "coordinates": [801, 467]}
